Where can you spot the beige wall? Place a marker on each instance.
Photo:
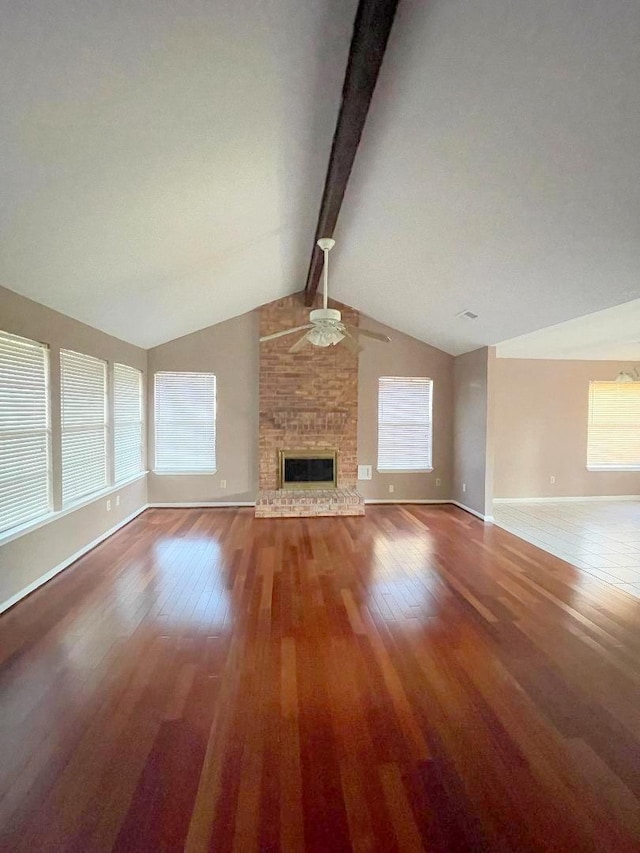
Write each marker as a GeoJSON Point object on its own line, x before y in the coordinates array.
{"type": "Point", "coordinates": [230, 350]}
{"type": "Point", "coordinates": [541, 410]}
{"type": "Point", "coordinates": [404, 356]}
{"type": "Point", "coordinates": [472, 428]}
{"type": "Point", "coordinates": [24, 560]}
{"type": "Point", "coordinates": [489, 473]}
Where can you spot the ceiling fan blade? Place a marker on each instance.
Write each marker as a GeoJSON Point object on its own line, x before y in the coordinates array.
{"type": "Point", "coordinates": [377, 336]}
{"type": "Point", "coordinates": [350, 342]}
{"type": "Point", "coordinates": [285, 332]}
{"type": "Point", "coordinates": [299, 344]}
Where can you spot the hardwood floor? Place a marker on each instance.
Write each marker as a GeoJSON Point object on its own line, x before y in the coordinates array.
{"type": "Point", "coordinates": [409, 680]}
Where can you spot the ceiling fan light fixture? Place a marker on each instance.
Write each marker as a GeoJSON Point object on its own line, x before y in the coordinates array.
{"type": "Point", "coordinates": [625, 376]}
{"type": "Point", "coordinates": [324, 336]}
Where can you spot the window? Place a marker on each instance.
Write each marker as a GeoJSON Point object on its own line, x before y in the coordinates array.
{"type": "Point", "coordinates": [404, 423]}
{"type": "Point", "coordinates": [83, 393]}
{"type": "Point", "coordinates": [25, 473]}
{"type": "Point", "coordinates": [127, 422]}
{"type": "Point", "coordinates": [614, 426]}
{"type": "Point", "coordinates": [185, 422]}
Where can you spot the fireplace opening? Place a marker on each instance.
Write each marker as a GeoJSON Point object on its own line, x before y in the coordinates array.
{"type": "Point", "coordinates": [307, 469]}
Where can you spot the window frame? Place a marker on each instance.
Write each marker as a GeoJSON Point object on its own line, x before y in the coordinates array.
{"type": "Point", "coordinates": [428, 424]}
{"type": "Point", "coordinates": [106, 426]}
{"type": "Point", "coordinates": [112, 462]}
{"type": "Point", "coordinates": [16, 529]}
{"type": "Point", "coordinates": [186, 472]}
{"type": "Point", "coordinates": [601, 466]}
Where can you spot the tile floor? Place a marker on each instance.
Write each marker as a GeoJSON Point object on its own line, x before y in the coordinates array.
{"type": "Point", "coordinates": [600, 537]}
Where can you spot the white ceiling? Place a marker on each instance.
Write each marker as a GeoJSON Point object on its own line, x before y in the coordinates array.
{"type": "Point", "coordinates": [499, 170]}
{"type": "Point", "coordinates": [161, 163]}
{"type": "Point", "coordinates": [612, 334]}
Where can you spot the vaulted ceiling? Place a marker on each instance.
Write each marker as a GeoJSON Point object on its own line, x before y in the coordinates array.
{"type": "Point", "coordinates": [161, 163]}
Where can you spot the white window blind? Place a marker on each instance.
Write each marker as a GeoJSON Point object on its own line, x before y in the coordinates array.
{"type": "Point", "coordinates": [185, 422]}
{"type": "Point", "coordinates": [25, 475]}
{"type": "Point", "coordinates": [404, 423]}
{"type": "Point", "coordinates": [614, 426]}
{"type": "Point", "coordinates": [127, 423]}
{"type": "Point", "coordinates": [83, 399]}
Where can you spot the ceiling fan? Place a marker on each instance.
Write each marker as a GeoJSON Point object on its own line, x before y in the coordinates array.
{"type": "Point", "coordinates": [325, 326]}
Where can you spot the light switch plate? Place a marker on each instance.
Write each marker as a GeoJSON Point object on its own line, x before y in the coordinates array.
{"type": "Point", "coordinates": [364, 472]}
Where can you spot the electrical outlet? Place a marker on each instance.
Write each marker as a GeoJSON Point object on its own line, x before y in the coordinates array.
{"type": "Point", "coordinates": [223, 484]}
{"type": "Point", "coordinates": [108, 506]}
{"type": "Point", "coordinates": [117, 500]}
{"type": "Point", "coordinates": [464, 487]}
{"type": "Point", "coordinates": [438, 481]}
{"type": "Point", "coordinates": [391, 488]}
{"type": "Point", "coordinates": [552, 480]}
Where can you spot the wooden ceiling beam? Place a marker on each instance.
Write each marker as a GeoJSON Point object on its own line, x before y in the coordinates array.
{"type": "Point", "coordinates": [371, 29]}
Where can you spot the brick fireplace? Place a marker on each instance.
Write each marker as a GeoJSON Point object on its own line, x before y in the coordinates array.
{"type": "Point", "coordinates": [308, 401]}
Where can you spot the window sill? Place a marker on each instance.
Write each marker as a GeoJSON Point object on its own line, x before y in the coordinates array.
{"type": "Point", "coordinates": [404, 470]}
{"type": "Point", "coordinates": [613, 468]}
{"type": "Point", "coordinates": [165, 473]}
{"type": "Point", "coordinates": [41, 521]}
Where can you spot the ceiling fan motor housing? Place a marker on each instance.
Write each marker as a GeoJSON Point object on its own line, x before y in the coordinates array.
{"type": "Point", "coordinates": [323, 315]}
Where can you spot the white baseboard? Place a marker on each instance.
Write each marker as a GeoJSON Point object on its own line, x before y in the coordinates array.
{"type": "Point", "coordinates": [487, 518]}
{"type": "Point", "coordinates": [221, 504]}
{"type": "Point", "coordinates": [65, 563]}
{"type": "Point", "coordinates": [196, 504]}
{"type": "Point", "coordinates": [575, 499]}
{"type": "Point", "coordinates": [406, 501]}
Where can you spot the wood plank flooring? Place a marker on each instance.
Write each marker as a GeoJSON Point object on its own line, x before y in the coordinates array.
{"type": "Point", "coordinates": [409, 680]}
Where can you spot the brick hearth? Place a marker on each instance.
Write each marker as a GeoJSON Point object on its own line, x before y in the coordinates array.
{"type": "Point", "coordinates": [308, 503]}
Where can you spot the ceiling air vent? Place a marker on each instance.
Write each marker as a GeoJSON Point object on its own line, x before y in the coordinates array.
{"type": "Point", "coordinates": [467, 315]}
